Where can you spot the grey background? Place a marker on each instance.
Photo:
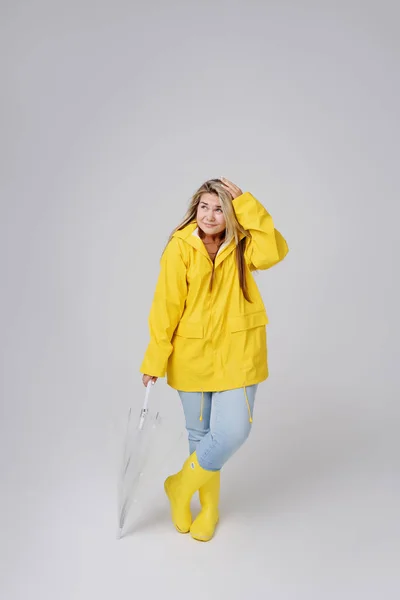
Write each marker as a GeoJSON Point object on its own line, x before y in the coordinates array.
{"type": "Point", "coordinates": [113, 113]}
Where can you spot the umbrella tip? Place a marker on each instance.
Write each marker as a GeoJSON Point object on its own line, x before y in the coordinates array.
{"type": "Point", "coordinates": [119, 533]}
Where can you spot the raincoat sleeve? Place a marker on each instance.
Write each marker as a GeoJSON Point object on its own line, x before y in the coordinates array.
{"type": "Point", "coordinates": [267, 246]}
{"type": "Point", "coordinates": [166, 310]}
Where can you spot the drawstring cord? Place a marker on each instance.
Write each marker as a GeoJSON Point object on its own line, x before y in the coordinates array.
{"type": "Point", "coordinates": [201, 406]}
{"type": "Point", "coordinates": [248, 405]}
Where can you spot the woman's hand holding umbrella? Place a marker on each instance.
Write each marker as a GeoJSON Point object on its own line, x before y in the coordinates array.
{"type": "Point", "coordinates": [147, 378]}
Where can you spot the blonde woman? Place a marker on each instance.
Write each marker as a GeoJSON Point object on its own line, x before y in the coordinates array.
{"type": "Point", "coordinates": [208, 336]}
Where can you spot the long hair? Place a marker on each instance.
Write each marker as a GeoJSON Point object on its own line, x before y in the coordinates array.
{"type": "Point", "coordinates": [233, 229]}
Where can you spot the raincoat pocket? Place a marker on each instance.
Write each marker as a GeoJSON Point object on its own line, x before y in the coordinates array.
{"type": "Point", "coordinates": [247, 345]}
{"type": "Point", "coordinates": [190, 330]}
{"type": "Point", "coordinates": [249, 321]}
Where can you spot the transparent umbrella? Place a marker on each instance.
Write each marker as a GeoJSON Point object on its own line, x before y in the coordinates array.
{"type": "Point", "coordinates": [149, 445]}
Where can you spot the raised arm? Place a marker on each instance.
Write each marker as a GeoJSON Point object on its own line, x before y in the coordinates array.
{"type": "Point", "coordinates": [266, 246]}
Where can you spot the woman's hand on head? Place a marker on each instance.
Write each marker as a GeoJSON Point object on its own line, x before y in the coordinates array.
{"type": "Point", "coordinates": [233, 189]}
{"type": "Point", "coordinates": [147, 378]}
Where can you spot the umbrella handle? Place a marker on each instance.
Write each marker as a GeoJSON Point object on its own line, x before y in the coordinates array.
{"type": "Point", "coordinates": [144, 410]}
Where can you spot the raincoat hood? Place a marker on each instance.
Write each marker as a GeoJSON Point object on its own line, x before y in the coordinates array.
{"type": "Point", "coordinates": [190, 234]}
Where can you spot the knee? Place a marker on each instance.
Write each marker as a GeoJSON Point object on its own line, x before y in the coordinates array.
{"type": "Point", "coordinates": [233, 438]}
{"type": "Point", "coordinates": [195, 434]}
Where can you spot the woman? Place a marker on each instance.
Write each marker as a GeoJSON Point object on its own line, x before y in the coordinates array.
{"type": "Point", "coordinates": [208, 335]}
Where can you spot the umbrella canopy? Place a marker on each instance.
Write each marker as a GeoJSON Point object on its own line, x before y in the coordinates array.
{"type": "Point", "coordinates": [148, 445]}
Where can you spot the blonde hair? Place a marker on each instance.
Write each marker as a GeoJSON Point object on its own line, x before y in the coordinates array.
{"type": "Point", "coordinates": [233, 229]}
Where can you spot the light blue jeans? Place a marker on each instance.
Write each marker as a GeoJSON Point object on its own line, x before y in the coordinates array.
{"type": "Point", "coordinates": [218, 423]}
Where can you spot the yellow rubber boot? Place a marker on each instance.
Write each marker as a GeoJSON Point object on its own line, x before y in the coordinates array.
{"type": "Point", "coordinates": [203, 527]}
{"type": "Point", "coordinates": [180, 489]}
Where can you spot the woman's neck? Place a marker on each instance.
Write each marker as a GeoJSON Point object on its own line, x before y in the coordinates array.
{"type": "Point", "coordinates": [213, 239]}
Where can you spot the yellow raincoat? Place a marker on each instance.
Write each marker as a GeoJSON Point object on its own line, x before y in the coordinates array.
{"type": "Point", "coordinates": [212, 341]}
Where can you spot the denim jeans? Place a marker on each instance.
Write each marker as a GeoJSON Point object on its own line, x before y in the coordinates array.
{"type": "Point", "coordinates": [218, 423]}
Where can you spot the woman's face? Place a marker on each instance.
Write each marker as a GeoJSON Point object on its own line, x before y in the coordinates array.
{"type": "Point", "coordinates": [210, 218]}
